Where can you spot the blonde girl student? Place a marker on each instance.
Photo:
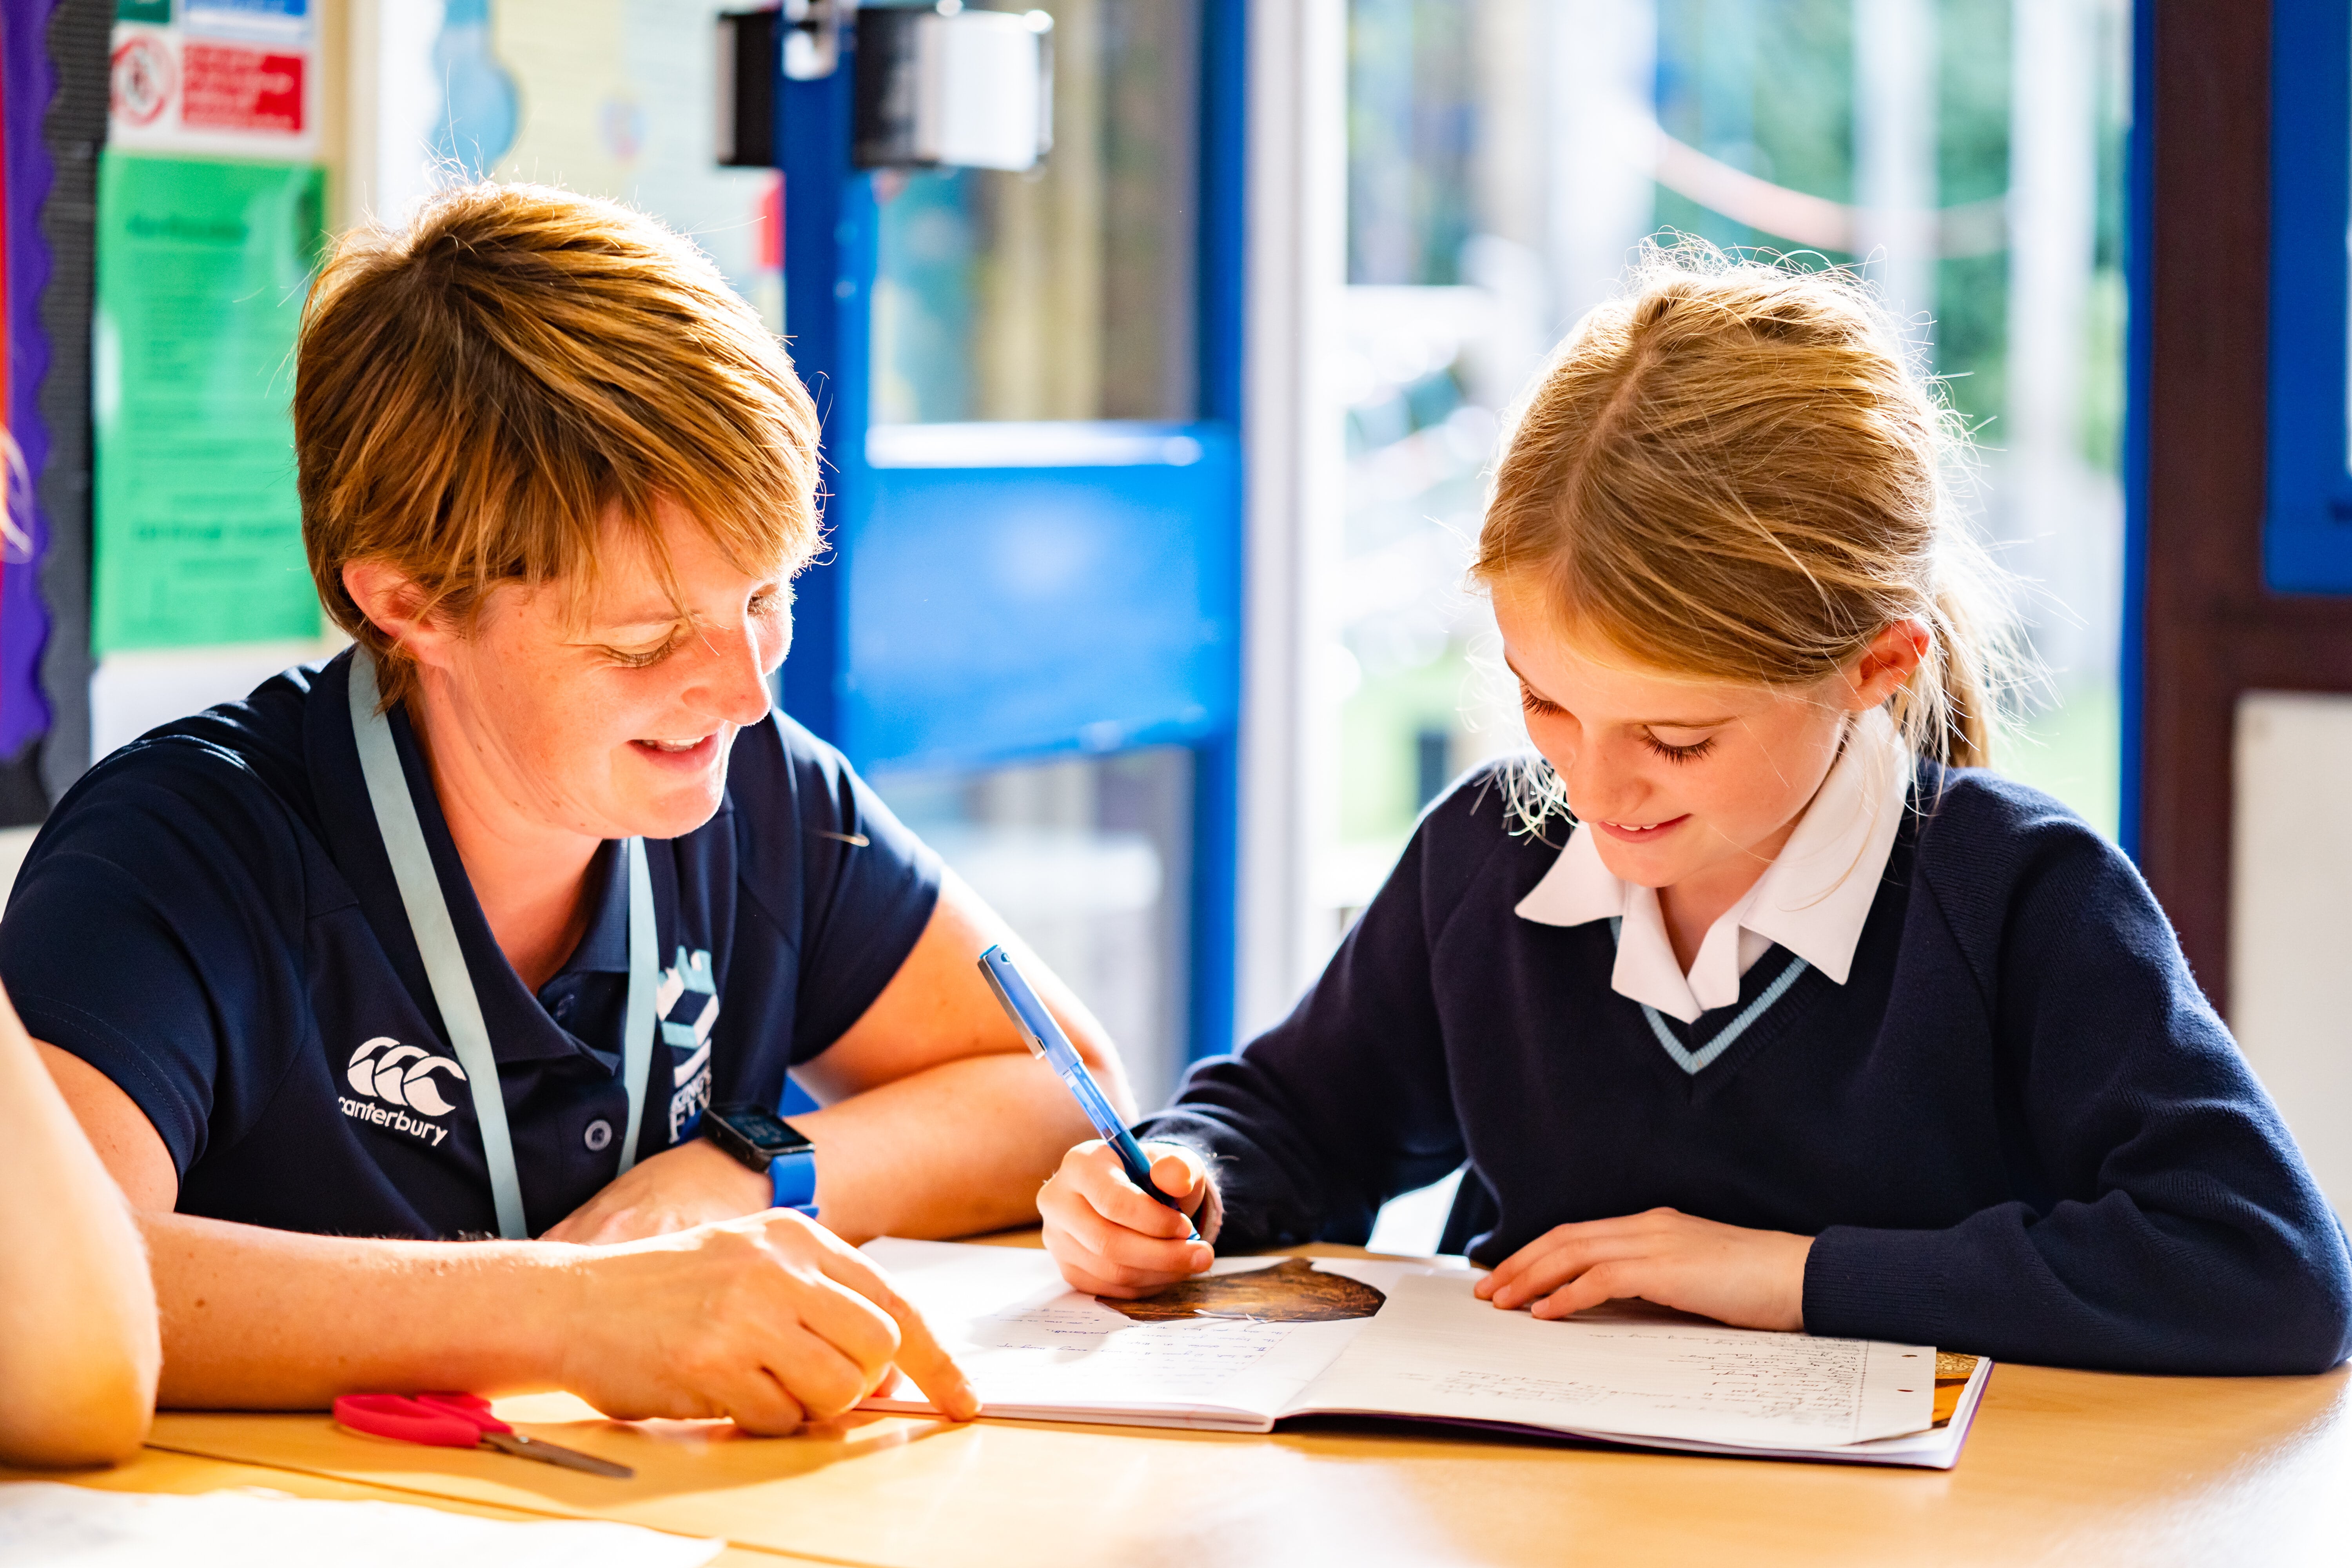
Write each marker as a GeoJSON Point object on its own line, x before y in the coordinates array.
{"type": "Point", "coordinates": [1757, 995]}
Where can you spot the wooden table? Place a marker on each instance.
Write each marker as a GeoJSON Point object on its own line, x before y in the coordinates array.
{"type": "Point", "coordinates": [2063, 1466]}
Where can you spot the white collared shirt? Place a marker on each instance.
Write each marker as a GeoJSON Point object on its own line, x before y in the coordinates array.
{"type": "Point", "coordinates": [1812, 899]}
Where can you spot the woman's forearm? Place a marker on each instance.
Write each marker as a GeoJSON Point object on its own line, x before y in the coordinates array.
{"type": "Point", "coordinates": [768, 1320]}
{"type": "Point", "coordinates": [955, 1150]}
{"type": "Point", "coordinates": [78, 1337]}
{"type": "Point", "coordinates": [257, 1319]}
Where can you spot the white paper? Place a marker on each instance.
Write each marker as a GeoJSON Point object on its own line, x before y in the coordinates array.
{"type": "Point", "coordinates": [1627, 1371]}
{"type": "Point", "coordinates": [1936, 1449]}
{"type": "Point", "coordinates": [1434, 1350]}
{"type": "Point", "coordinates": [1033, 1347]}
{"type": "Point", "coordinates": [51, 1525]}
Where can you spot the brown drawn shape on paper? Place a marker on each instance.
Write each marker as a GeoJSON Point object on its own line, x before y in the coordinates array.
{"type": "Point", "coordinates": [1293, 1292]}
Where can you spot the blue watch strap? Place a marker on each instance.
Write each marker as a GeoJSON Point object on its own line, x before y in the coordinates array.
{"type": "Point", "coordinates": [794, 1176]}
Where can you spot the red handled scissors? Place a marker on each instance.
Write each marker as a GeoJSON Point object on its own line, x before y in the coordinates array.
{"type": "Point", "coordinates": [458, 1421]}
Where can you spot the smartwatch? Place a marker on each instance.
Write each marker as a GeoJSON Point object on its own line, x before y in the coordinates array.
{"type": "Point", "coordinates": [763, 1140]}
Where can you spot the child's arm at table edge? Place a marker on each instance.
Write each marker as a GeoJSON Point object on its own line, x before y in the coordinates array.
{"type": "Point", "coordinates": [2183, 1233]}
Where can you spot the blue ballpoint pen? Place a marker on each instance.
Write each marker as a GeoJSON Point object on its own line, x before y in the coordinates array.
{"type": "Point", "coordinates": [1046, 1039]}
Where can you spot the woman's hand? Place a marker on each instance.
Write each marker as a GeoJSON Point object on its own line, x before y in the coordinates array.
{"type": "Point", "coordinates": [1749, 1278]}
{"type": "Point", "coordinates": [1110, 1237]}
{"type": "Point", "coordinates": [678, 1189]}
{"type": "Point", "coordinates": [771, 1321]}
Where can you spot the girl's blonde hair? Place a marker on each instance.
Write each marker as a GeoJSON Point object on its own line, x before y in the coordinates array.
{"type": "Point", "coordinates": [1735, 471]}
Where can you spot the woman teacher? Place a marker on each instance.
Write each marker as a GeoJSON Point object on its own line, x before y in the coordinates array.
{"type": "Point", "coordinates": [478, 929]}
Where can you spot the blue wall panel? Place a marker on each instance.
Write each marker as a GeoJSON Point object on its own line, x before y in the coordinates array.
{"type": "Point", "coordinates": [998, 613]}
{"type": "Point", "coordinates": [2308, 520]}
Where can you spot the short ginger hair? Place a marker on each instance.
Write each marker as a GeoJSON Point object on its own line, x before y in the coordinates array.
{"type": "Point", "coordinates": [476, 392]}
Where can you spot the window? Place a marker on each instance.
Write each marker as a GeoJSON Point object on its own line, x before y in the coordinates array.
{"type": "Point", "coordinates": [1087, 858]}
{"type": "Point", "coordinates": [1506, 159]}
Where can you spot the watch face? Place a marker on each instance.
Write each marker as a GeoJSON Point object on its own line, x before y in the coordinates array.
{"type": "Point", "coordinates": [762, 1130]}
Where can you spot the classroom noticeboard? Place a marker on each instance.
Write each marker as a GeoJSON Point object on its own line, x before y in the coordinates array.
{"type": "Point", "coordinates": [201, 271]}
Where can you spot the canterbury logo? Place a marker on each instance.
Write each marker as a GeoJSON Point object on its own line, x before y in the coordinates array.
{"type": "Point", "coordinates": [390, 1076]}
{"type": "Point", "coordinates": [402, 1076]}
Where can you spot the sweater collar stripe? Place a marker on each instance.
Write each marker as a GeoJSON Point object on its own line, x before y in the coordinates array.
{"type": "Point", "coordinates": [1698, 1061]}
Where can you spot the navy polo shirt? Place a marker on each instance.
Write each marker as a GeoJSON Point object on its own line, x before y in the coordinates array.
{"type": "Point", "coordinates": [210, 920]}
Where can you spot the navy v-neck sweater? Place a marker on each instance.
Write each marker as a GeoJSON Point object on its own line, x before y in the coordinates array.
{"type": "Point", "coordinates": [2018, 1129]}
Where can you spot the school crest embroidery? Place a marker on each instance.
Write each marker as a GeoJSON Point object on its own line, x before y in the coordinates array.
{"type": "Point", "coordinates": [687, 1003]}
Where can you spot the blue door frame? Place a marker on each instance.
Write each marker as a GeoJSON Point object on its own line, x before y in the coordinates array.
{"type": "Point", "coordinates": [1085, 594]}
{"type": "Point", "coordinates": [2139, 352]}
{"type": "Point", "coordinates": [2307, 511]}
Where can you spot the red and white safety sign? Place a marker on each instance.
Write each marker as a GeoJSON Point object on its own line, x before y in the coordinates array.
{"type": "Point", "coordinates": [232, 89]}
{"type": "Point", "coordinates": [141, 80]}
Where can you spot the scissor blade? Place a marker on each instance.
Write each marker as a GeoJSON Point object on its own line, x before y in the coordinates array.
{"type": "Point", "coordinates": [515, 1442]}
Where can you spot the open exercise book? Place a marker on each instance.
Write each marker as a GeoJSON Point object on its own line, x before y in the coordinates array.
{"type": "Point", "coordinates": [1262, 1339]}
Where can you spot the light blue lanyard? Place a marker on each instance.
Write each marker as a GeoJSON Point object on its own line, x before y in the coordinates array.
{"type": "Point", "coordinates": [445, 961]}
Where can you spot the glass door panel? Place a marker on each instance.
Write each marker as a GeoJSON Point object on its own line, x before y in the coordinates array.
{"type": "Point", "coordinates": [1033, 604]}
{"type": "Point", "coordinates": [1066, 292]}
{"type": "Point", "coordinates": [1090, 859]}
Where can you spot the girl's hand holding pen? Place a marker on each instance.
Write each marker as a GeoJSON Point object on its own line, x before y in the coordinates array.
{"type": "Point", "coordinates": [1110, 1237]}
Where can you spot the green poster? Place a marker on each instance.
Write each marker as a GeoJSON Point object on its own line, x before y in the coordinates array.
{"type": "Point", "coordinates": [201, 271]}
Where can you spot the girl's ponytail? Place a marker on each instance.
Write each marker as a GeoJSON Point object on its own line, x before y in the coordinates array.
{"type": "Point", "coordinates": [1978, 659]}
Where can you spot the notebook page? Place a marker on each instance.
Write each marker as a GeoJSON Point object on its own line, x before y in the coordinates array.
{"type": "Point", "coordinates": [1436, 1350]}
{"type": "Point", "coordinates": [1033, 1348]}
{"type": "Point", "coordinates": [1937, 1449]}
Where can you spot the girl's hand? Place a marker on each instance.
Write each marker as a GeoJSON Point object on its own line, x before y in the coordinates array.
{"type": "Point", "coordinates": [1113, 1239]}
{"type": "Point", "coordinates": [1749, 1278]}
